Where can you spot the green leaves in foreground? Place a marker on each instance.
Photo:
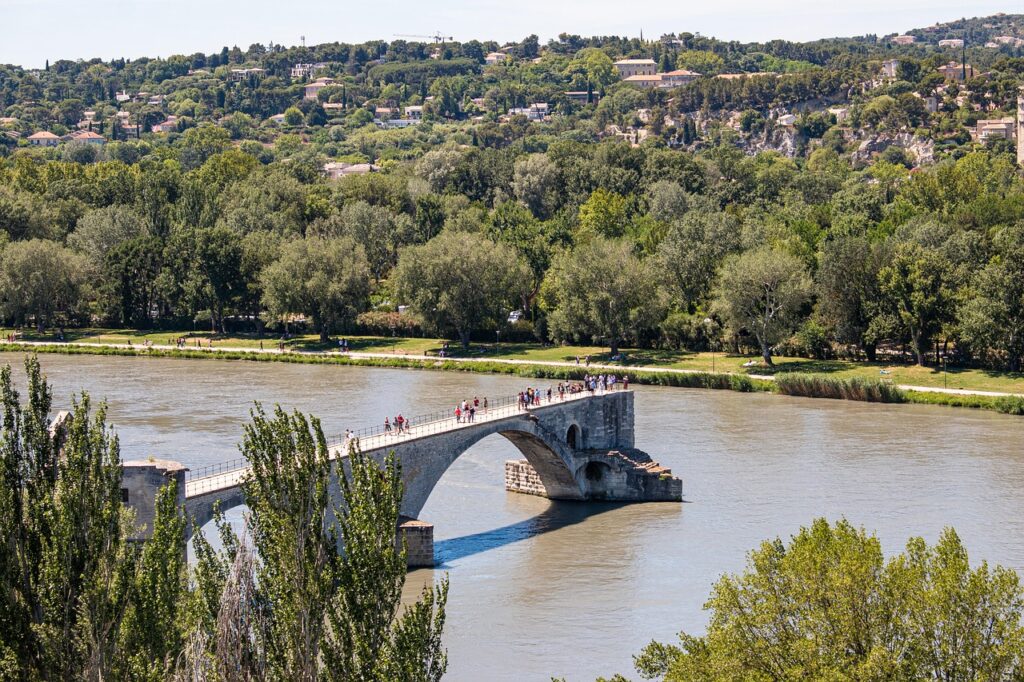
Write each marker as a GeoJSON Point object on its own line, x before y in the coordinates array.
{"type": "Point", "coordinates": [325, 615]}
{"type": "Point", "coordinates": [828, 606]}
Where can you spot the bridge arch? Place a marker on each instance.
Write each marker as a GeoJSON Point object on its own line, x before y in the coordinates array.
{"type": "Point", "coordinates": [550, 456]}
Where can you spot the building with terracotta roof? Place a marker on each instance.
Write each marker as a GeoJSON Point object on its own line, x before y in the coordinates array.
{"type": "Point", "coordinates": [88, 137]}
{"type": "Point", "coordinates": [640, 80]}
{"type": "Point", "coordinates": [43, 138]}
{"type": "Point", "coordinates": [673, 79]}
{"type": "Point", "coordinates": [956, 72]}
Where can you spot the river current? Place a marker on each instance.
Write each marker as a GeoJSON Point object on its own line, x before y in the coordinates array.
{"type": "Point", "coordinates": [542, 589]}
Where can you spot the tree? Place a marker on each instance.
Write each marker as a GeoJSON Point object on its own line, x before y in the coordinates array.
{"type": "Point", "coordinates": [603, 214]}
{"type": "Point", "coordinates": [762, 292]}
{"type": "Point", "coordinates": [130, 272]}
{"type": "Point", "coordinates": [828, 606]}
{"type": "Point", "coordinates": [461, 282]}
{"type": "Point", "coordinates": [535, 183]}
{"type": "Point", "coordinates": [992, 320]}
{"type": "Point", "coordinates": [41, 279]}
{"type": "Point", "coordinates": [218, 266]}
{"type": "Point", "coordinates": [101, 229]}
{"type": "Point", "coordinates": [64, 561]}
{"type": "Point", "coordinates": [601, 291]}
{"type": "Point", "coordinates": [378, 230]}
{"type": "Point", "coordinates": [293, 116]}
{"type": "Point", "coordinates": [596, 65]}
{"type": "Point", "coordinates": [915, 289]}
{"type": "Point", "coordinates": [848, 294]}
{"type": "Point", "coordinates": [331, 615]}
{"type": "Point", "coordinates": [326, 279]}
{"type": "Point", "coordinates": [692, 250]}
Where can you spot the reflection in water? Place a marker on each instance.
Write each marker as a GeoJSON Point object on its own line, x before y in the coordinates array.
{"type": "Point", "coordinates": [542, 589]}
{"type": "Point", "coordinates": [558, 515]}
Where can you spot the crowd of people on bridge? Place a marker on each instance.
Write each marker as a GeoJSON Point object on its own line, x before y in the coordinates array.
{"type": "Point", "coordinates": [466, 411]}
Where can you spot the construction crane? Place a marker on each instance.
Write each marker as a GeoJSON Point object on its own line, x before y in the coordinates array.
{"type": "Point", "coordinates": [437, 37]}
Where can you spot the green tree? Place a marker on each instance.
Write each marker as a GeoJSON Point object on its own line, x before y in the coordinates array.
{"type": "Point", "coordinates": [326, 279]}
{"type": "Point", "coordinates": [848, 294]}
{"type": "Point", "coordinates": [828, 606]}
{"type": "Point", "coordinates": [602, 292]}
{"type": "Point", "coordinates": [64, 566]}
{"type": "Point", "coordinates": [293, 116]}
{"type": "Point", "coordinates": [331, 615]}
{"type": "Point", "coordinates": [603, 214]}
{"type": "Point", "coordinates": [218, 272]}
{"type": "Point", "coordinates": [915, 288]}
{"type": "Point", "coordinates": [535, 183]}
{"type": "Point", "coordinates": [692, 250]}
{"type": "Point", "coordinates": [762, 292]}
{"type": "Point", "coordinates": [992, 320]}
{"type": "Point", "coordinates": [42, 280]}
{"type": "Point", "coordinates": [129, 288]}
{"type": "Point", "coordinates": [461, 282]}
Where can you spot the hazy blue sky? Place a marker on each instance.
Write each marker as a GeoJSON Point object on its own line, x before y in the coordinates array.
{"type": "Point", "coordinates": [32, 31]}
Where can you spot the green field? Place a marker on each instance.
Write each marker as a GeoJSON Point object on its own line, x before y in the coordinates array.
{"type": "Point", "coordinates": [954, 377]}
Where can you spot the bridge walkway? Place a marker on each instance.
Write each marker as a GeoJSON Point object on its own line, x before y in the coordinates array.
{"type": "Point", "coordinates": [231, 474]}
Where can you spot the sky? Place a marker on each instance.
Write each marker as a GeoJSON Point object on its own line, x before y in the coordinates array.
{"type": "Point", "coordinates": [33, 31]}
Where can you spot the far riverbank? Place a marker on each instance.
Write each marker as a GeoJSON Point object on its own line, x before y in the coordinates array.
{"type": "Point", "coordinates": [804, 384]}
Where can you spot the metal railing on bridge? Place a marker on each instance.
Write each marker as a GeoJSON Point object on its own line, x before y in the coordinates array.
{"type": "Point", "coordinates": [212, 476]}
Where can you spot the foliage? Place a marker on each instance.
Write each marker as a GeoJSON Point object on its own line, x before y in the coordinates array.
{"type": "Point", "coordinates": [762, 292]}
{"type": "Point", "coordinates": [828, 605]}
{"type": "Point", "coordinates": [461, 282]}
{"type": "Point", "coordinates": [602, 292]}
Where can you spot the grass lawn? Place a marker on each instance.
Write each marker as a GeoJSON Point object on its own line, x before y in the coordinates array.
{"type": "Point", "coordinates": [971, 379]}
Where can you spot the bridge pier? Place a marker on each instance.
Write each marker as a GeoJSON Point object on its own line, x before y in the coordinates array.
{"type": "Point", "coordinates": [418, 537]}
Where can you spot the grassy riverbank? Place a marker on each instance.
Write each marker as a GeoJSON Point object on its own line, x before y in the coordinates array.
{"type": "Point", "coordinates": [970, 379]}
{"type": "Point", "coordinates": [795, 384]}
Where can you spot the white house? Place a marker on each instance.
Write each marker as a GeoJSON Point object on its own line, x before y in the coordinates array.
{"type": "Point", "coordinates": [496, 58]}
{"type": "Point", "coordinates": [313, 89]}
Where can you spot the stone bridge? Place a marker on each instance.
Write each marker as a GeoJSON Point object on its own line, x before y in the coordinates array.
{"type": "Point", "coordinates": [577, 448]}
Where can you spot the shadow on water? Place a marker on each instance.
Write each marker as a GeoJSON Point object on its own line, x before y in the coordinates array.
{"type": "Point", "coordinates": [558, 515]}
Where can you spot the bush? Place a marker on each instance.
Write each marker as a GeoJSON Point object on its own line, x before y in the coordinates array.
{"type": "Point", "coordinates": [382, 323]}
{"type": "Point", "coordinates": [856, 388]}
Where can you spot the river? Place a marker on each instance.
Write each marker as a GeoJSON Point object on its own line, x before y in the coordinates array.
{"type": "Point", "coordinates": [541, 589]}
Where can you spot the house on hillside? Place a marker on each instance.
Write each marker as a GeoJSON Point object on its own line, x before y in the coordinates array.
{"type": "Point", "coordinates": [956, 72]}
{"type": "Point", "coordinates": [169, 125]}
{"type": "Point", "coordinates": [87, 137]}
{"type": "Point", "coordinates": [636, 67]}
{"type": "Point", "coordinates": [43, 138]}
{"type": "Point", "coordinates": [496, 58]}
{"type": "Point", "coordinates": [996, 129]}
{"type": "Point", "coordinates": [313, 89]}
{"type": "Point", "coordinates": [338, 169]}
{"type": "Point", "coordinates": [537, 111]}
{"type": "Point", "coordinates": [904, 40]}
{"type": "Point", "coordinates": [674, 79]}
{"type": "Point", "coordinates": [951, 42]}
{"type": "Point", "coordinates": [644, 80]}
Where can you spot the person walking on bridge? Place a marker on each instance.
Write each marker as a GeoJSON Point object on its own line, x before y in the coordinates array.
{"type": "Point", "coordinates": [387, 426]}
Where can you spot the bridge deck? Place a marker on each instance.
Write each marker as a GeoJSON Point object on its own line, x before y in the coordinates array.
{"type": "Point", "coordinates": [377, 439]}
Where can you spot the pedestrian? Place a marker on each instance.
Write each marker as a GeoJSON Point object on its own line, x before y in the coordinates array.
{"type": "Point", "coordinates": [387, 425]}
{"type": "Point", "coordinates": [549, 394]}
{"type": "Point", "coordinates": [472, 413]}
{"type": "Point", "coordinates": [625, 383]}
{"type": "Point", "coordinates": [401, 423]}
{"type": "Point", "coordinates": [458, 414]}
{"type": "Point", "coordinates": [485, 404]}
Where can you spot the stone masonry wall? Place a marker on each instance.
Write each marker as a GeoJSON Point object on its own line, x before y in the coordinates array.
{"type": "Point", "coordinates": [419, 542]}
{"type": "Point", "coordinates": [520, 477]}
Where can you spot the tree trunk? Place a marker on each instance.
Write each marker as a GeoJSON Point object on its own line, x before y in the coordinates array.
{"type": "Point", "coordinates": [870, 351]}
{"type": "Point", "coordinates": [919, 352]}
{"type": "Point", "coordinates": [615, 347]}
{"type": "Point", "coordinates": [766, 353]}
{"type": "Point", "coordinates": [464, 338]}
{"type": "Point", "coordinates": [325, 335]}
{"type": "Point", "coordinates": [40, 325]}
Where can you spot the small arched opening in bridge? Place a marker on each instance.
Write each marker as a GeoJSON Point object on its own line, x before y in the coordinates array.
{"type": "Point", "coordinates": [598, 478]}
{"type": "Point", "coordinates": [572, 436]}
